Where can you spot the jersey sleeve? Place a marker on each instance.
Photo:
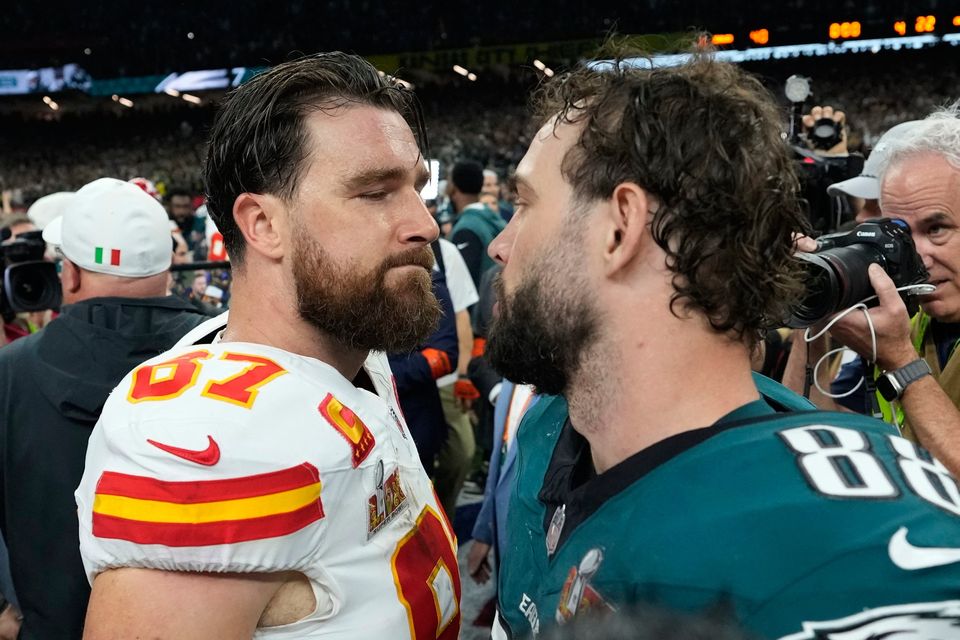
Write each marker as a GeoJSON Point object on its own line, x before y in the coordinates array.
{"type": "Point", "coordinates": [179, 493]}
{"type": "Point", "coordinates": [462, 290]}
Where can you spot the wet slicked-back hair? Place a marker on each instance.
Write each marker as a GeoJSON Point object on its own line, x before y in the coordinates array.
{"type": "Point", "coordinates": [258, 143]}
{"type": "Point", "coordinates": [704, 139]}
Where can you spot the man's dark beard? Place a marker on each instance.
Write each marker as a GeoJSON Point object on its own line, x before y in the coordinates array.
{"type": "Point", "coordinates": [539, 336]}
{"type": "Point", "coordinates": [359, 310]}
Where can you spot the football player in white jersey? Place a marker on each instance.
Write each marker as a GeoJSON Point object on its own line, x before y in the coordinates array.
{"type": "Point", "coordinates": [259, 479]}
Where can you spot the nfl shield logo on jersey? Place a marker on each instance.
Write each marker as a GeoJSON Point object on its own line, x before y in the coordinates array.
{"type": "Point", "coordinates": [919, 621]}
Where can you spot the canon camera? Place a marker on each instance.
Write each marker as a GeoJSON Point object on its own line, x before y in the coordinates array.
{"type": "Point", "coordinates": [836, 275]}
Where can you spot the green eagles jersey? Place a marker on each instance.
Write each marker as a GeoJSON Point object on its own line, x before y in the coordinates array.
{"type": "Point", "coordinates": [806, 525]}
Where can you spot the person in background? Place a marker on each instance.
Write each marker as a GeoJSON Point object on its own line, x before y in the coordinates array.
{"type": "Point", "coordinates": [491, 188]}
{"type": "Point", "coordinates": [651, 248]}
{"type": "Point", "coordinates": [293, 501]}
{"type": "Point", "coordinates": [115, 245]}
{"type": "Point", "coordinates": [917, 373]}
{"type": "Point", "coordinates": [179, 204]}
{"type": "Point", "coordinates": [476, 224]}
{"type": "Point", "coordinates": [457, 393]}
{"type": "Point", "coordinates": [841, 378]}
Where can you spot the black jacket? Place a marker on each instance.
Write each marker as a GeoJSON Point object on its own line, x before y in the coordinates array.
{"type": "Point", "coordinates": [53, 385]}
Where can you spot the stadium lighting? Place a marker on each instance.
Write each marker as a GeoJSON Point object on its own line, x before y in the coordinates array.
{"type": "Point", "coordinates": [170, 91]}
{"type": "Point", "coordinates": [814, 49]}
{"type": "Point", "coordinates": [127, 102]}
{"type": "Point", "coordinates": [47, 100]}
{"type": "Point", "coordinates": [547, 71]}
{"type": "Point", "coordinates": [760, 36]}
{"type": "Point", "coordinates": [472, 77]}
{"type": "Point", "coordinates": [53, 105]}
{"type": "Point", "coordinates": [457, 68]}
{"type": "Point", "coordinates": [192, 99]}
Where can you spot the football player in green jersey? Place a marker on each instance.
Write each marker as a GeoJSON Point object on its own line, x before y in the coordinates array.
{"type": "Point", "coordinates": [650, 248]}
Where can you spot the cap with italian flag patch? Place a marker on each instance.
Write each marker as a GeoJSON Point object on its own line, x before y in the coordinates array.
{"type": "Point", "coordinates": [114, 227]}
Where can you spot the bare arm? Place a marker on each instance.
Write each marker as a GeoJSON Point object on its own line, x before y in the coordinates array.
{"type": "Point", "coordinates": [934, 418]}
{"type": "Point", "coordinates": [464, 340]}
{"type": "Point", "coordinates": [145, 603]}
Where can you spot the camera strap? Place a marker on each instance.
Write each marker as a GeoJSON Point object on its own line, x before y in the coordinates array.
{"type": "Point", "coordinates": [870, 388]}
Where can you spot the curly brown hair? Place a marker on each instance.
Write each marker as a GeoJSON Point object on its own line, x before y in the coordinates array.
{"type": "Point", "coordinates": [704, 139]}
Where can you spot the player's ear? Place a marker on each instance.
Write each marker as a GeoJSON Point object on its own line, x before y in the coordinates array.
{"type": "Point", "coordinates": [260, 218]}
{"type": "Point", "coordinates": [70, 276]}
{"type": "Point", "coordinates": [626, 214]}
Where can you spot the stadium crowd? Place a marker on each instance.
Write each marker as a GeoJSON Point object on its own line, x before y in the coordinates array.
{"type": "Point", "coordinates": [489, 123]}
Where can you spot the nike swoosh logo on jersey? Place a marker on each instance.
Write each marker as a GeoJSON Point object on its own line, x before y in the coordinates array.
{"type": "Point", "coordinates": [463, 245]}
{"type": "Point", "coordinates": [207, 457]}
{"type": "Point", "coordinates": [910, 558]}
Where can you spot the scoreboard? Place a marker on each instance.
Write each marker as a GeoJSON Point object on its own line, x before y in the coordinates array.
{"type": "Point", "coordinates": [843, 28]}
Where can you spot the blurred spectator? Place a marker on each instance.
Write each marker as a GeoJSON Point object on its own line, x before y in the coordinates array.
{"type": "Point", "coordinates": [213, 296]}
{"type": "Point", "coordinates": [476, 224]}
{"type": "Point", "coordinates": [115, 243]}
{"type": "Point", "coordinates": [457, 392]}
{"type": "Point", "coordinates": [491, 188]}
{"type": "Point", "coordinates": [18, 224]}
{"type": "Point", "coordinates": [180, 207]}
{"type": "Point", "coordinates": [416, 374]}
{"type": "Point", "coordinates": [197, 291]}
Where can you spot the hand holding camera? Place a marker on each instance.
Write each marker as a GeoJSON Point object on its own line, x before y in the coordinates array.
{"type": "Point", "coordinates": [825, 130]}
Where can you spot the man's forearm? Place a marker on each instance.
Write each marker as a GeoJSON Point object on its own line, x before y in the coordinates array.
{"type": "Point", "coordinates": [465, 341]}
{"type": "Point", "coordinates": [935, 421]}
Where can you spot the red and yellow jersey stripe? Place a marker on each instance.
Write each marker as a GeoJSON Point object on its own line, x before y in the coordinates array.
{"type": "Point", "coordinates": [206, 512]}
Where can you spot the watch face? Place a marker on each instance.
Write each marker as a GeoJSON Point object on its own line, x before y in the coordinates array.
{"type": "Point", "coordinates": [886, 388]}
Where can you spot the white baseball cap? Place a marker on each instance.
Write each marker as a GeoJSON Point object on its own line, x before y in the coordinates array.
{"type": "Point", "coordinates": [213, 291]}
{"type": "Point", "coordinates": [50, 207]}
{"type": "Point", "coordinates": [867, 184]}
{"type": "Point", "coordinates": [114, 227]}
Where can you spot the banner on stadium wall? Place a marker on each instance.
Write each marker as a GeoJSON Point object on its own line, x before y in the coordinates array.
{"type": "Point", "coordinates": [549, 52]}
{"type": "Point", "coordinates": [203, 80]}
{"type": "Point", "coordinates": [46, 80]}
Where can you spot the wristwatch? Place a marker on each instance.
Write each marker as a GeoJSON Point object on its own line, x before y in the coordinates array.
{"type": "Point", "coordinates": [892, 384]}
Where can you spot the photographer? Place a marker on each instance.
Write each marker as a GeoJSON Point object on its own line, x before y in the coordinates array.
{"type": "Point", "coordinates": [921, 186]}
{"type": "Point", "coordinates": [841, 377]}
{"type": "Point", "coordinates": [115, 243]}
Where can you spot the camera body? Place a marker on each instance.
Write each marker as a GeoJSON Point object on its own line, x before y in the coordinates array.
{"type": "Point", "coordinates": [816, 173]}
{"type": "Point", "coordinates": [837, 275]}
{"type": "Point", "coordinates": [30, 283]}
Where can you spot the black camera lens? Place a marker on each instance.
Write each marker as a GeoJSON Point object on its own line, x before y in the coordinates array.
{"type": "Point", "coordinates": [835, 279]}
{"type": "Point", "coordinates": [825, 134]}
{"type": "Point", "coordinates": [32, 286]}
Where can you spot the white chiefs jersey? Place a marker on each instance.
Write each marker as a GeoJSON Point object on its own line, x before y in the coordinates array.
{"type": "Point", "coordinates": [244, 458]}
